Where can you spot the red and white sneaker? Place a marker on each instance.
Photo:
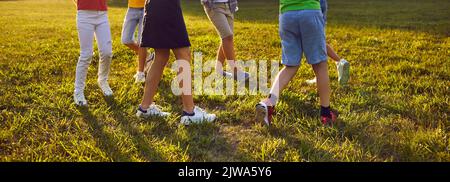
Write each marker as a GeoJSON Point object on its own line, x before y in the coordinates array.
{"type": "Point", "coordinates": [329, 121]}
{"type": "Point", "coordinates": [264, 113]}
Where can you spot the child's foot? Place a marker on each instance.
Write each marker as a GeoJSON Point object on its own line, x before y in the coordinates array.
{"type": "Point", "coordinates": [264, 113]}
{"type": "Point", "coordinates": [312, 81]}
{"type": "Point", "coordinates": [148, 62]}
{"type": "Point", "coordinates": [152, 110]}
{"type": "Point", "coordinates": [199, 116]}
{"type": "Point", "coordinates": [227, 75]}
{"type": "Point", "coordinates": [329, 120]}
{"type": "Point", "coordinates": [139, 77]}
{"type": "Point", "coordinates": [343, 67]}
{"type": "Point", "coordinates": [244, 77]}
{"type": "Point", "coordinates": [79, 99]}
{"type": "Point", "coordinates": [104, 86]}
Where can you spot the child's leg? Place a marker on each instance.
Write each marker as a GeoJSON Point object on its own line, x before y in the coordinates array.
{"type": "Point", "coordinates": [103, 36]}
{"type": "Point", "coordinates": [129, 27]}
{"type": "Point", "coordinates": [134, 47]}
{"type": "Point", "coordinates": [228, 50]}
{"type": "Point", "coordinates": [184, 54]}
{"type": "Point", "coordinates": [154, 76]}
{"type": "Point", "coordinates": [223, 21]}
{"type": "Point", "coordinates": [86, 38]}
{"type": "Point", "coordinates": [142, 53]}
{"type": "Point", "coordinates": [281, 81]}
{"type": "Point", "coordinates": [332, 54]}
{"type": "Point", "coordinates": [220, 60]}
{"type": "Point", "coordinates": [323, 83]}
{"type": "Point", "coordinates": [142, 56]}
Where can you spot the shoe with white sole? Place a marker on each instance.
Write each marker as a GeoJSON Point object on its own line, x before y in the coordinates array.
{"type": "Point", "coordinates": [244, 77]}
{"type": "Point", "coordinates": [199, 116]}
{"type": "Point", "coordinates": [312, 81]}
{"type": "Point", "coordinates": [343, 67]}
{"type": "Point", "coordinates": [139, 77]}
{"type": "Point", "coordinates": [148, 62]}
{"type": "Point", "coordinates": [227, 75]}
{"type": "Point", "coordinates": [152, 110]}
{"type": "Point", "coordinates": [106, 90]}
{"type": "Point", "coordinates": [264, 113]}
{"type": "Point", "coordinates": [79, 99]}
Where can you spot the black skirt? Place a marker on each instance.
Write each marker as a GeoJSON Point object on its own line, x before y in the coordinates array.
{"type": "Point", "coordinates": [164, 26]}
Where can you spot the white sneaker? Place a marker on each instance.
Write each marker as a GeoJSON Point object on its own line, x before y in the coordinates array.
{"type": "Point", "coordinates": [148, 62]}
{"type": "Point", "coordinates": [343, 68]}
{"type": "Point", "coordinates": [312, 81]}
{"type": "Point", "coordinates": [199, 116]}
{"type": "Point", "coordinates": [139, 77]}
{"type": "Point", "coordinates": [227, 75]}
{"type": "Point", "coordinates": [104, 86]}
{"type": "Point", "coordinates": [153, 110]}
{"type": "Point", "coordinates": [242, 76]}
{"type": "Point", "coordinates": [79, 99]}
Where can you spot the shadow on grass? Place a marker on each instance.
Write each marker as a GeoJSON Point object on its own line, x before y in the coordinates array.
{"type": "Point", "coordinates": [201, 142]}
{"type": "Point", "coordinates": [142, 145]}
{"type": "Point", "coordinates": [105, 141]}
{"type": "Point", "coordinates": [207, 143]}
{"type": "Point", "coordinates": [377, 137]}
{"type": "Point", "coordinates": [307, 149]}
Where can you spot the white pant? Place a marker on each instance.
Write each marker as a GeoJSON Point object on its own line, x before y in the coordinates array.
{"type": "Point", "coordinates": [90, 23]}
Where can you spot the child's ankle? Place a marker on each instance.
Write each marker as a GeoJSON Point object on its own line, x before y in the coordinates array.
{"type": "Point", "coordinates": [185, 113]}
{"type": "Point", "coordinates": [142, 109]}
{"type": "Point", "coordinates": [271, 100]}
{"type": "Point", "coordinates": [325, 111]}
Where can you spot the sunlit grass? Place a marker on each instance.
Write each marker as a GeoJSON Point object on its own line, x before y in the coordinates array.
{"type": "Point", "coordinates": [396, 107]}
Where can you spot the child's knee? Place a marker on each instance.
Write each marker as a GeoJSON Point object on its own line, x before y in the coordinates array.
{"type": "Point", "coordinates": [291, 68]}
{"type": "Point", "coordinates": [228, 39]}
{"type": "Point", "coordinates": [320, 66]}
{"type": "Point", "coordinates": [106, 53]}
{"type": "Point", "coordinates": [86, 56]}
{"type": "Point", "coordinates": [183, 54]}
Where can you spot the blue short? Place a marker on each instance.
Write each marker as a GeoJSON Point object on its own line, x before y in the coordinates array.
{"type": "Point", "coordinates": [133, 20]}
{"type": "Point", "coordinates": [324, 8]}
{"type": "Point", "coordinates": [302, 32]}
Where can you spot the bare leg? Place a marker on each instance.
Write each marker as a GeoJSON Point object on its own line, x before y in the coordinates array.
{"type": "Point", "coordinates": [323, 83]}
{"type": "Point", "coordinates": [220, 59]}
{"type": "Point", "coordinates": [184, 54]}
{"type": "Point", "coordinates": [154, 76]}
{"type": "Point", "coordinates": [281, 81]}
{"type": "Point", "coordinates": [134, 47]}
{"type": "Point", "coordinates": [142, 56]}
{"type": "Point", "coordinates": [228, 50]}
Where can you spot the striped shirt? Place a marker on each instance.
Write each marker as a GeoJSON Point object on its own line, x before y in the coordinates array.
{"type": "Point", "coordinates": [210, 3]}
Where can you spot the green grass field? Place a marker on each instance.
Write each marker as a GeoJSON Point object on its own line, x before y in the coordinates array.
{"type": "Point", "coordinates": [396, 107]}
